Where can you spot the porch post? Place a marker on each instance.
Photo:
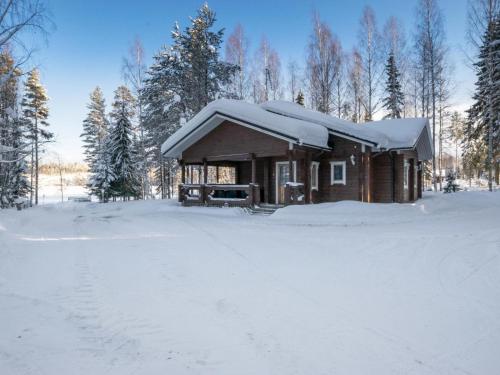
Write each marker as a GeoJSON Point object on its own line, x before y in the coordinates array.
{"type": "Point", "coordinates": [205, 171]}
{"type": "Point", "coordinates": [254, 169]}
{"type": "Point", "coordinates": [411, 181]}
{"type": "Point", "coordinates": [290, 165]}
{"type": "Point", "coordinates": [419, 179]}
{"type": "Point", "coordinates": [217, 173]}
{"type": "Point", "coordinates": [307, 182]}
{"type": "Point", "coordinates": [267, 162]}
{"type": "Point", "coordinates": [183, 172]}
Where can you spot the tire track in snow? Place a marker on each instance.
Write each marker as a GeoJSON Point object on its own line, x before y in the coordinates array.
{"type": "Point", "coordinates": [350, 317]}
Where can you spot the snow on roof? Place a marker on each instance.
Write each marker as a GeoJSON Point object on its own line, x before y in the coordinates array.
{"type": "Point", "coordinates": [333, 124]}
{"type": "Point", "coordinates": [246, 114]}
{"type": "Point", "coordinates": [293, 122]}
{"type": "Point", "coordinates": [400, 133]}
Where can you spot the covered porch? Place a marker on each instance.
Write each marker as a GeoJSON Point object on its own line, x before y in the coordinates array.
{"type": "Point", "coordinates": [246, 180]}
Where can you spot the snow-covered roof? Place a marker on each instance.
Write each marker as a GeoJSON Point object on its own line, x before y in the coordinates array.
{"type": "Point", "coordinates": [333, 124]}
{"type": "Point", "coordinates": [299, 125]}
{"type": "Point", "coordinates": [405, 133]}
{"type": "Point", "coordinates": [385, 134]}
{"type": "Point", "coordinates": [246, 114]}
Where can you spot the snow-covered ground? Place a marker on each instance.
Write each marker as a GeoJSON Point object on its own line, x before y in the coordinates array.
{"type": "Point", "coordinates": [347, 288]}
{"type": "Point", "coordinates": [50, 187]}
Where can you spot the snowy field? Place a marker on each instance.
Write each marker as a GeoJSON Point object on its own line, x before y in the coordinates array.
{"type": "Point", "coordinates": [348, 288]}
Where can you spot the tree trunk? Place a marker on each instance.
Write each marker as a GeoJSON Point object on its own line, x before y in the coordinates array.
{"type": "Point", "coordinates": [32, 174]}
{"type": "Point", "coordinates": [433, 94]}
{"type": "Point", "coordinates": [36, 161]}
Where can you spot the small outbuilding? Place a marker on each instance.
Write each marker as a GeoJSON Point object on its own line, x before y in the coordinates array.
{"type": "Point", "coordinates": [240, 154]}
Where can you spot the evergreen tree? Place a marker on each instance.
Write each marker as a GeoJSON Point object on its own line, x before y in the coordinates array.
{"type": "Point", "coordinates": [127, 180]}
{"type": "Point", "coordinates": [35, 110]}
{"type": "Point", "coordinates": [182, 80]}
{"type": "Point", "coordinates": [95, 126]}
{"type": "Point", "coordinates": [102, 173]}
{"type": "Point", "coordinates": [394, 101]}
{"type": "Point", "coordinates": [204, 76]}
{"type": "Point", "coordinates": [483, 119]}
{"type": "Point", "coordinates": [13, 143]}
{"type": "Point", "coordinates": [300, 98]}
{"type": "Point", "coordinates": [163, 109]}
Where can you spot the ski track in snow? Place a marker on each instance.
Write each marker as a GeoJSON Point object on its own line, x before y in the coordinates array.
{"type": "Point", "coordinates": [154, 288]}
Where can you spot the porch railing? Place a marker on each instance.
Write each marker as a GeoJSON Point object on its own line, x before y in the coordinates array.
{"type": "Point", "coordinates": [219, 195]}
{"type": "Point", "coordinates": [294, 193]}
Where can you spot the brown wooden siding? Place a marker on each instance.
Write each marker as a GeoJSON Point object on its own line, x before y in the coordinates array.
{"type": "Point", "coordinates": [342, 151]}
{"type": "Point", "coordinates": [231, 141]}
{"type": "Point", "coordinates": [382, 178]}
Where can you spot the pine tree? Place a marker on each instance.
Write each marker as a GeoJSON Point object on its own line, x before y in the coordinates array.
{"type": "Point", "coordinates": [127, 179]}
{"type": "Point", "coordinates": [394, 101]}
{"type": "Point", "coordinates": [95, 126]}
{"type": "Point", "coordinates": [35, 110]}
{"type": "Point", "coordinates": [300, 98]}
{"type": "Point", "coordinates": [485, 111]}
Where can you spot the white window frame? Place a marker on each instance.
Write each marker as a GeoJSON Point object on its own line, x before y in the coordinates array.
{"type": "Point", "coordinates": [316, 175]}
{"type": "Point", "coordinates": [333, 164]}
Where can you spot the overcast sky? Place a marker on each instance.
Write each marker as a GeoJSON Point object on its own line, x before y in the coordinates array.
{"type": "Point", "coordinates": [92, 36]}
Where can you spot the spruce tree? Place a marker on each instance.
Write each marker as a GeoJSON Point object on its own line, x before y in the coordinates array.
{"type": "Point", "coordinates": [102, 174]}
{"type": "Point", "coordinates": [162, 109]}
{"type": "Point", "coordinates": [182, 80]}
{"type": "Point", "coordinates": [95, 126]}
{"type": "Point", "coordinates": [35, 110]}
{"type": "Point", "coordinates": [204, 76]}
{"type": "Point", "coordinates": [483, 119]}
{"type": "Point", "coordinates": [127, 179]}
{"type": "Point", "coordinates": [394, 101]}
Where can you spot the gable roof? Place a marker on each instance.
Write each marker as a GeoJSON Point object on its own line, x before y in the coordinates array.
{"type": "Point", "coordinates": [245, 114]}
{"type": "Point", "coordinates": [296, 124]}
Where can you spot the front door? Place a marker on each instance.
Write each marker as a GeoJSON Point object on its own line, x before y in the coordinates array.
{"type": "Point", "coordinates": [282, 177]}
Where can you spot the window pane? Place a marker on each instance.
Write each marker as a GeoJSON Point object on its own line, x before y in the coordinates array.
{"type": "Point", "coordinates": [338, 172]}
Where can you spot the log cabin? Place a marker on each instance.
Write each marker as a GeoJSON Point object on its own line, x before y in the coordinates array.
{"type": "Point", "coordinates": [280, 153]}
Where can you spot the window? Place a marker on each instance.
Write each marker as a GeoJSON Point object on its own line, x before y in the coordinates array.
{"type": "Point", "coordinates": [314, 175]}
{"type": "Point", "coordinates": [406, 174]}
{"type": "Point", "coordinates": [338, 172]}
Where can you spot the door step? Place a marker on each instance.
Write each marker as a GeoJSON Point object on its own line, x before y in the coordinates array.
{"type": "Point", "coordinates": [263, 209]}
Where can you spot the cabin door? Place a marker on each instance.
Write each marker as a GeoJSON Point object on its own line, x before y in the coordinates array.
{"type": "Point", "coordinates": [282, 177]}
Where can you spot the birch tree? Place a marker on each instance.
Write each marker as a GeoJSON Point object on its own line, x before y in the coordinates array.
{"type": "Point", "coordinates": [355, 86]}
{"type": "Point", "coordinates": [134, 73]}
{"type": "Point", "coordinates": [369, 46]}
{"type": "Point", "coordinates": [237, 54]}
{"type": "Point", "coordinates": [266, 76]}
{"type": "Point", "coordinates": [323, 61]}
{"type": "Point", "coordinates": [293, 79]}
{"type": "Point", "coordinates": [430, 40]}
